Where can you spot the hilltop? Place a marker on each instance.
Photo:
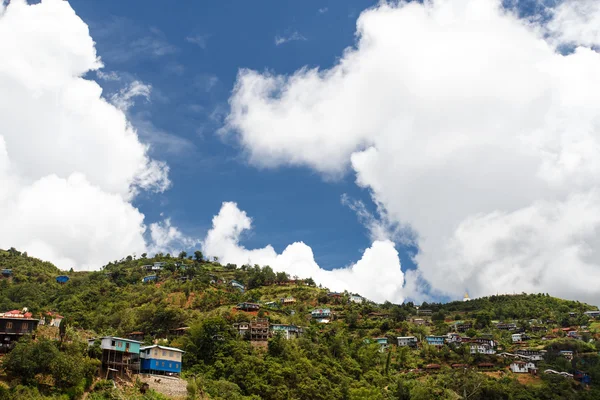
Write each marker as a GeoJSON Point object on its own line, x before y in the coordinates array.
{"type": "Point", "coordinates": [354, 355]}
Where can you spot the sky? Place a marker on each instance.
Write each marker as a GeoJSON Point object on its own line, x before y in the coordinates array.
{"type": "Point", "coordinates": [400, 150]}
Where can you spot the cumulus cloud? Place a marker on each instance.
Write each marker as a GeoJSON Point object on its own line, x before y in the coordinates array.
{"type": "Point", "coordinates": [377, 275]}
{"type": "Point", "coordinates": [168, 238]}
{"type": "Point", "coordinates": [125, 97]}
{"type": "Point", "coordinates": [576, 22]}
{"type": "Point", "coordinates": [70, 162]}
{"type": "Point", "coordinates": [467, 125]}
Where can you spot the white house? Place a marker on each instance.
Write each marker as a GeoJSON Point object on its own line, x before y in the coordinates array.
{"type": "Point", "coordinates": [357, 299]}
{"type": "Point", "coordinates": [533, 355]}
{"type": "Point", "coordinates": [516, 337]}
{"type": "Point", "coordinates": [521, 367]}
{"type": "Point", "coordinates": [409, 341]}
{"type": "Point", "coordinates": [482, 348]}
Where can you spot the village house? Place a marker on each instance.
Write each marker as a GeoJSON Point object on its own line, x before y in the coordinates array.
{"type": "Point", "coordinates": [482, 348]}
{"type": "Point", "coordinates": [259, 329]}
{"type": "Point", "coordinates": [179, 331]}
{"type": "Point", "coordinates": [248, 306]}
{"type": "Point", "coordinates": [119, 354]}
{"type": "Point", "coordinates": [568, 354]}
{"type": "Point", "coordinates": [237, 285]}
{"type": "Point", "coordinates": [288, 301]}
{"type": "Point", "coordinates": [533, 355]}
{"type": "Point", "coordinates": [288, 331]}
{"type": "Point", "coordinates": [437, 341]}
{"type": "Point", "coordinates": [454, 338]}
{"type": "Point", "coordinates": [407, 341]}
{"type": "Point", "coordinates": [593, 314]}
{"type": "Point", "coordinates": [321, 314]}
{"type": "Point", "coordinates": [424, 312]}
{"type": "Point", "coordinates": [7, 273]}
{"type": "Point", "coordinates": [14, 325]}
{"type": "Point", "coordinates": [160, 360]}
{"type": "Point", "coordinates": [522, 367]}
{"type": "Point", "coordinates": [506, 326]}
{"type": "Point", "coordinates": [357, 299]}
{"type": "Point", "coordinates": [149, 278]}
{"type": "Point", "coordinates": [383, 343]}
{"type": "Point", "coordinates": [243, 328]}
{"type": "Point", "coordinates": [516, 337]}
{"type": "Point", "coordinates": [51, 319]}
{"type": "Point", "coordinates": [463, 326]}
{"type": "Point", "coordinates": [157, 266]}
{"type": "Point", "coordinates": [137, 335]}
{"type": "Point", "coordinates": [418, 321]}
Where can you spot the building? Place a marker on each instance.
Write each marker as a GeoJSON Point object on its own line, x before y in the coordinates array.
{"type": "Point", "coordinates": [466, 297]}
{"type": "Point", "coordinates": [522, 367]}
{"type": "Point", "coordinates": [179, 331]}
{"type": "Point", "coordinates": [259, 329]}
{"type": "Point", "coordinates": [463, 326]}
{"type": "Point", "coordinates": [248, 306]}
{"type": "Point", "coordinates": [52, 319]}
{"type": "Point", "coordinates": [62, 279]}
{"type": "Point", "coordinates": [407, 341]}
{"type": "Point", "coordinates": [14, 325]}
{"type": "Point", "coordinates": [7, 272]}
{"type": "Point", "coordinates": [357, 299]}
{"type": "Point", "coordinates": [478, 348]}
{"type": "Point", "coordinates": [149, 278]}
{"type": "Point", "coordinates": [321, 314]}
{"type": "Point", "coordinates": [454, 338]}
{"type": "Point", "coordinates": [516, 337]}
{"type": "Point", "coordinates": [437, 341]}
{"type": "Point", "coordinates": [424, 312]}
{"type": "Point", "coordinates": [533, 355]}
{"type": "Point", "coordinates": [383, 343]}
{"type": "Point", "coordinates": [160, 360]}
{"type": "Point", "coordinates": [418, 321]}
{"type": "Point", "coordinates": [568, 354]}
{"type": "Point", "coordinates": [506, 326]}
{"type": "Point", "coordinates": [122, 355]}
{"type": "Point", "coordinates": [243, 328]}
{"type": "Point", "coordinates": [237, 285]}
{"type": "Point", "coordinates": [288, 301]}
{"type": "Point", "coordinates": [288, 331]}
{"type": "Point", "coordinates": [593, 314]}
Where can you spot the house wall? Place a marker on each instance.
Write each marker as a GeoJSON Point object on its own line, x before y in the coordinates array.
{"type": "Point", "coordinates": [151, 364]}
{"type": "Point", "coordinates": [162, 354]}
{"type": "Point", "coordinates": [120, 345]}
{"type": "Point", "coordinates": [17, 325]}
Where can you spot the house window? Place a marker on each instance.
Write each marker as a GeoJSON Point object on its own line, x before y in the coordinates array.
{"type": "Point", "coordinates": [163, 363]}
{"type": "Point", "coordinates": [127, 347]}
{"type": "Point", "coordinates": [113, 343]}
{"type": "Point", "coordinates": [157, 363]}
{"type": "Point", "coordinates": [164, 353]}
{"type": "Point", "coordinates": [171, 354]}
{"type": "Point", "coordinates": [9, 325]}
{"type": "Point", "coordinates": [155, 352]}
{"type": "Point", "coordinates": [24, 326]}
{"type": "Point", "coordinates": [176, 365]}
{"type": "Point", "coordinates": [170, 365]}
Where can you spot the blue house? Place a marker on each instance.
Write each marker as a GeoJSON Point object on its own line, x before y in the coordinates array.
{"type": "Point", "coordinates": [7, 272]}
{"type": "Point", "coordinates": [383, 343]}
{"type": "Point", "coordinates": [62, 279]}
{"type": "Point", "coordinates": [160, 360]}
{"type": "Point", "coordinates": [435, 340]}
{"type": "Point", "coordinates": [321, 314]}
{"type": "Point", "coordinates": [119, 354]}
{"type": "Point", "coordinates": [149, 278]}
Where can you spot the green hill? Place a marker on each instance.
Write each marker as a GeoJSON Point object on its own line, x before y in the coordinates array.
{"type": "Point", "coordinates": [336, 360]}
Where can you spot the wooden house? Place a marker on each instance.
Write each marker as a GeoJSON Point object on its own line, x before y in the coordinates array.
{"type": "Point", "coordinates": [259, 329]}
{"type": "Point", "coordinates": [14, 325]}
{"type": "Point", "coordinates": [248, 306]}
{"type": "Point", "coordinates": [119, 354]}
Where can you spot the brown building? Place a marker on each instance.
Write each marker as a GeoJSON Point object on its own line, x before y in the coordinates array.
{"type": "Point", "coordinates": [13, 326]}
{"type": "Point", "coordinates": [259, 329]}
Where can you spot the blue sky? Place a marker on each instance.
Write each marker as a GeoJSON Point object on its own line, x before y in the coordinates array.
{"type": "Point", "coordinates": [190, 52]}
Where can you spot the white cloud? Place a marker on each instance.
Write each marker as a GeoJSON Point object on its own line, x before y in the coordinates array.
{"type": "Point", "coordinates": [323, 10]}
{"type": "Point", "coordinates": [576, 22]}
{"type": "Point", "coordinates": [168, 239]}
{"type": "Point", "coordinates": [294, 36]}
{"type": "Point", "coordinates": [70, 162]}
{"type": "Point", "coordinates": [199, 40]}
{"type": "Point", "coordinates": [124, 98]}
{"type": "Point", "coordinates": [467, 125]}
{"type": "Point", "coordinates": [108, 76]}
{"type": "Point", "coordinates": [377, 275]}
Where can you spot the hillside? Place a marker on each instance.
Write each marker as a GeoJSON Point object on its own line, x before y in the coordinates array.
{"type": "Point", "coordinates": [354, 356]}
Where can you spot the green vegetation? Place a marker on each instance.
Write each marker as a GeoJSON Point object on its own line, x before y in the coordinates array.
{"type": "Point", "coordinates": [339, 360]}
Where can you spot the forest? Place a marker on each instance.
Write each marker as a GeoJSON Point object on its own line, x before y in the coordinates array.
{"type": "Point", "coordinates": [341, 359]}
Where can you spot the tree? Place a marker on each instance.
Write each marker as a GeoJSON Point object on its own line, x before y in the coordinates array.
{"type": "Point", "coordinates": [182, 255]}
{"type": "Point", "coordinates": [198, 256]}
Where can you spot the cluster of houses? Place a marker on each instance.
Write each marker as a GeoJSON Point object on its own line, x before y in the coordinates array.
{"type": "Point", "coordinates": [260, 330]}
{"type": "Point", "coordinates": [14, 325]}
